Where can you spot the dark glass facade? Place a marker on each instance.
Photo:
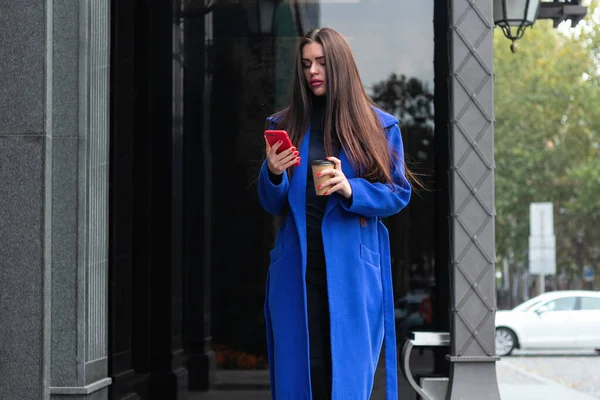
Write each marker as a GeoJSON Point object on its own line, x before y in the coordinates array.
{"type": "Point", "coordinates": [190, 90]}
{"type": "Point", "coordinates": [248, 75]}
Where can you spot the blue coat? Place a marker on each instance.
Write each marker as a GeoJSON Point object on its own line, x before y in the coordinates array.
{"type": "Point", "coordinates": [358, 274]}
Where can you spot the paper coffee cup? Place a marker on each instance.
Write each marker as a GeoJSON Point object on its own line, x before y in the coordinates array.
{"type": "Point", "coordinates": [318, 166]}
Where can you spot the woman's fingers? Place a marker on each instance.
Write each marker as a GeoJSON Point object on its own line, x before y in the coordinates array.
{"type": "Point", "coordinates": [335, 188]}
{"type": "Point", "coordinates": [291, 163]}
{"type": "Point", "coordinates": [337, 162]}
{"type": "Point", "coordinates": [281, 164]}
{"type": "Point", "coordinates": [288, 156]}
{"type": "Point", "coordinates": [338, 181]}
{"type": "Point", "coordinates": [282, 161]}
{"type": "Point", "coordinates": [333, 181]}
{"type": "Point", "coordinates": [281, 156]}
{"type": "Point", "coordinates": [276, 147]}
{"type": "Point", "coordinates": [328, 171]}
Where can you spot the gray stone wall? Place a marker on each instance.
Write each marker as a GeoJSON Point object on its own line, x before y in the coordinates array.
{"type": "Point", "coordinates": [53, 201]}
{"type": "Point", "coordinates": [25, 199]}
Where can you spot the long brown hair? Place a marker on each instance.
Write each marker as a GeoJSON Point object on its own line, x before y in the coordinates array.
{"type": "Point", "coordinates": [348, 112]}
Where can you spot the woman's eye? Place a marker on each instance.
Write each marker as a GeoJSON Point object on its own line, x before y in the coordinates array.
{"type": "Point", "coordinates": [305, 66]}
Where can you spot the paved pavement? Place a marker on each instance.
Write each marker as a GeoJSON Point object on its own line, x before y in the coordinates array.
{"type": "Point", "coordinates": [517, 381]}
{"type": "Point", "coordinates": [579, 371]}
{"type": "Point", "coordinates": [518, 384]}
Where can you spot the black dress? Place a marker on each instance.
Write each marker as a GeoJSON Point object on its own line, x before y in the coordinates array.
{"type": "Point", "coordinates": [316, 279]}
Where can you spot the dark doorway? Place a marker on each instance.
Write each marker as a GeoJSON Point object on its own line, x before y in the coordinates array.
{"type": "Point", "coordinates": [145, 239]}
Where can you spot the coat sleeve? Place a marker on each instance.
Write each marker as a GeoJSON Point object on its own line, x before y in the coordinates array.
{"type": "Point", "coordinates": [272, 196]}
{"type": "Point", "coordinates": [382, 199]}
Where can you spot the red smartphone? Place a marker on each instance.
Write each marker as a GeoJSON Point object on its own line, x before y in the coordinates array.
{"type": "Point", "coordinates": [273, 136]}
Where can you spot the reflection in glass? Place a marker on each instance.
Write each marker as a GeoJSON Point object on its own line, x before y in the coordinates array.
{"type": "Point", "coordinates": [250, 53]}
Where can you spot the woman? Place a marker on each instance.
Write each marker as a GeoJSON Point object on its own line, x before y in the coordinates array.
{"type": "Point", "coordinates": [329, 301]}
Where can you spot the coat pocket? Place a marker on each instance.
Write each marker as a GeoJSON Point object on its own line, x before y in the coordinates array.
{"type": "Point", "coordinates": [369, 256]}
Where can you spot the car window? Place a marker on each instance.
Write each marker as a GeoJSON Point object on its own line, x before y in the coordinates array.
{"type": "Point", "coordinates": [590, 303]}
{"type": "Point", "coordinates": [528, 304]}
{"type": "Point", "coordinates": [563, 304]}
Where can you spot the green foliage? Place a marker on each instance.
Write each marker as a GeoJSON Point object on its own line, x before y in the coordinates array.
{"type": "Point", "coordinates": [547, 137]}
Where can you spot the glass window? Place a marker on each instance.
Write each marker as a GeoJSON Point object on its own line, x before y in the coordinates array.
{"type": "Point", "coordinates": [392, 42]}
{"type": "Point", "coordinates": [564, 304]}
{"type": "Point", "coordinates": [528, 305]}
{"type": "Point", "coordinates": [250, 55]}
{"type": "Point", "coordinates": [590, 303]}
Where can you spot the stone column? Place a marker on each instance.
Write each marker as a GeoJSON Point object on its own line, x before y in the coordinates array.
{"type": "Point", "coordinates": [80, 200]}
{"type": "Point", "coordinates": [53, 203]}
{"type": "Point", "coordinates": [80, 59]}
{"type": "Point", "coordinates": [472, 211]}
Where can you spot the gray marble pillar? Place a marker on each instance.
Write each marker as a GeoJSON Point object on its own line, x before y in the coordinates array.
{"type": "Point", "coordinates": [472, 211]}
{"type": "Point", "coordinates": [53, 201]}
{"type": "Point", "coordinates": [80, 59]}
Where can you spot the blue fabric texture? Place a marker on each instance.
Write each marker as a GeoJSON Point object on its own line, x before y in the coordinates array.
{"type": "Point", "coordinates": [358, 275]}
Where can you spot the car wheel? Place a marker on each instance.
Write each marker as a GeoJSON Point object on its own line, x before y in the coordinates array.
{"type": "Point", "coordinates": [505, 342]}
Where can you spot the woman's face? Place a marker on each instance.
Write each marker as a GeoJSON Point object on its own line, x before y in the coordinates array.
{"type": "Point", "coordinates": [313, 64]}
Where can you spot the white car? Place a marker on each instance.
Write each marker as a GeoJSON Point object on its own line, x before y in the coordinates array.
{"type": "Point", "coordinates": [568, 319]}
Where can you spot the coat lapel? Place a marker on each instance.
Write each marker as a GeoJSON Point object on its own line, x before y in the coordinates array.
{"type": "Point", "coordinates": [297, 195]}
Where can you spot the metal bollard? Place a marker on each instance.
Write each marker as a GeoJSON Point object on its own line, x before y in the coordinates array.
{"type": "Point", "coordinates": [433, 388]}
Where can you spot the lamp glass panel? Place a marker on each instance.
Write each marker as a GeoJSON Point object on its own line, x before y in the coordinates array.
{"type": "Point", "coordinates": [533, 9]}
{"type": "Point", "coordinates": [266, 9]}
{"type": "Point", "coordinates": [498, 11]}
{"type": "Point", "coordinates": [516, 11]}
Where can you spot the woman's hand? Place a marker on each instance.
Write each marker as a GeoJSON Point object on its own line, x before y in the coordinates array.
{"type": "Point", "coordinates": [277, 163]}
{"type": "Point", "coordinates": [338, 182]}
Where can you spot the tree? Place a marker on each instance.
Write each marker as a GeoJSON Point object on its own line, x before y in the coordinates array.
{"type": "Point", "coordinates": [547, 140]}
{"type": "Point", "coordinates": [413, 254]}
{"type": "Point", "coordinates": [409, 99]}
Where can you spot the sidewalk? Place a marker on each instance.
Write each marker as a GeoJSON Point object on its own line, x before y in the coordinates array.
{"type": "Point", "coordinates": [514, 384]}
{"type": "Point", "coordinates": [517, 384]}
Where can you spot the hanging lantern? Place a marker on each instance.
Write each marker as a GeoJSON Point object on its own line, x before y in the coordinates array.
{"type": "Point", "coordinates": [514, 16]}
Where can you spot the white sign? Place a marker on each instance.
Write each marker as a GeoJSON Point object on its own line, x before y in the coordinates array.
{"type": "Point", "coordinates": [541, 219]}
{"type": "Point", "coordinates": [542, 255]}
{"type": "Point", "coordinates": [542, 242]}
